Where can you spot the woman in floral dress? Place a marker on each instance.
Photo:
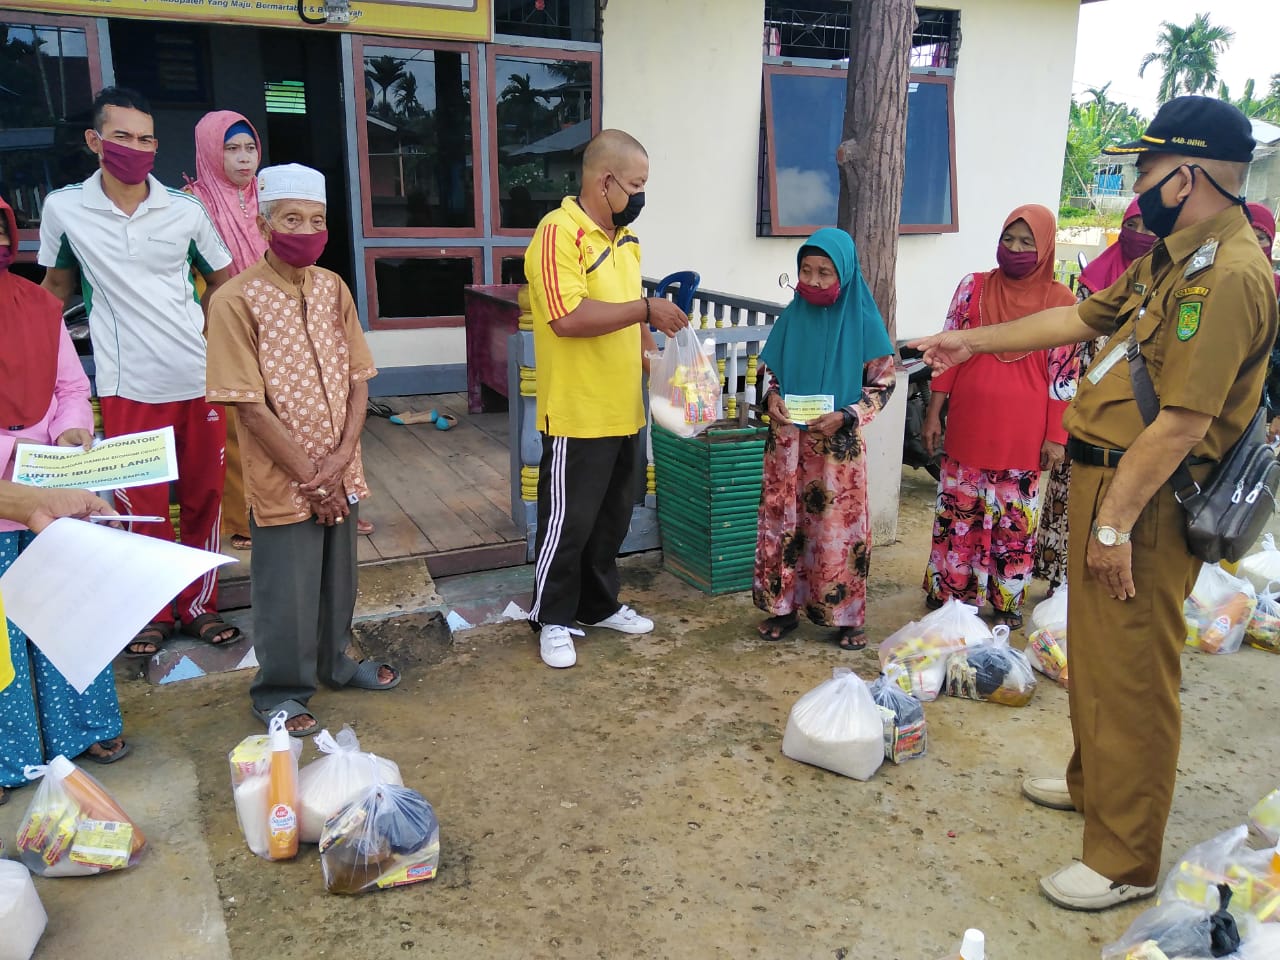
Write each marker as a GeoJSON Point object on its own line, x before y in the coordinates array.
{"type": "Point", "coordinates": [813, 548]}
{"type": "Point", "coordinates": [1004, 426]}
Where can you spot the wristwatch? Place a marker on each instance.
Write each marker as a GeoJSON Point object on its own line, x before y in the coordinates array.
{"type": "Point", "coordinates": [1109, 536]}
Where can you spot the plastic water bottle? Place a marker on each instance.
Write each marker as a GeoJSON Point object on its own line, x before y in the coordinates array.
{"type": "Point", "coordinates": [282, 795]}
{"type": "Point", "coordinates": [973, 947]}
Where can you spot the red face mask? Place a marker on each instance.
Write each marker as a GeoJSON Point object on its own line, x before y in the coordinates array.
{"type": "Point", "coordinates": [1135, 244]}
{"type": "Point", "coordinates": [818, 296]}
{"type": "Point", "coordinates": [1016, 265]}
{"type": "Point", "coordinates": [298, 249]}
{"type": "Point", "coordinates": [126, 164]}
{"type": "Point", "coordinates": [6, 258]}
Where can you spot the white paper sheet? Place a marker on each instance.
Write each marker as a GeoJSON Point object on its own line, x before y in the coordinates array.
{"type": "Point", "coordinates": [81, 591]}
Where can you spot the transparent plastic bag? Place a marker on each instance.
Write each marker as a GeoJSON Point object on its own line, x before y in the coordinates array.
{"type": "Point", "coordinates": [1195, 877]}
{"type": "Point", "coordinates": [1255, 886]}
{"type": "Point", "coordinates": [1047, 645]}
{"type": "Point", "coordinates": [1176, 929]}
{"type": "Point", "coordinates": [992, 671]}
{"type": "Point", "coordinates": [1263, 631]}
{"type": "Point", "coordinates": [1218, 610]}
{"type": "Point", "coordinates": [837, 726]}
{"type": "Point", "coordinates": [685, 394]}
{"type": "Point", "coordinates": [1265, 816]}
{"type": "Point", "coordinates": [250, 762]}
{"type": "Point", "coordinates": [342, 774]}
{"type": "Point", "coordinates": [73, 827]}
{"type": "Point", "coordinates": [921, 647]}
{"type": "Point", "coordinates": [22, 916]}
{"type": "Point", "coordinates": [1263, 565]}
{"type": "Point", "coordinates": [389, 837]}
{"type": "Point", "coordinates": [905, 735]}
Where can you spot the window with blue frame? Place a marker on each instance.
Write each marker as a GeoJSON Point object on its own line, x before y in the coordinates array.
{"type": "Point", "coordinates": [803, 122]}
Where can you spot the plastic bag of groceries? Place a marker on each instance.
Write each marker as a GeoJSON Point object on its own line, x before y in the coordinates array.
{"type": "Point", "coordinates": [921, 647]}
{"type": "Point", "coordinates": [1263, 630]}
{"type": "Point", "coordinates": [1263, 565]}
{"type": "Point", "coordinates": [22, 916]}
{"type": "Point", "coordinates": [905, 736]}
{"type": "Point", "coordinates": [388, 837]}
{"type": "Point", "coordinates": [1195, 877]}
{"type": "Point", "coordinates": [332, 781]}
{"type": "Point", "coordinates": [1174, 929]}
{"type": "Point", "coordinates": [1265, 816]}
{"type": "Point", "coordinates": [1047, 645]}
{"type": "Point", "coordinates": [837, 726]}
{"type": "Point", "coordinates": [992, 671]}
{"type": "Point", "coordinates": [685, 394]}
{"type": "Point", "coordinates": [1255, 886]}
{"type": "Point", "coordinates": [250, 762]}
{"type": "Point", "coordinates": [73, 827]}
{"type": "Point", "coordinates": [1218, 610]}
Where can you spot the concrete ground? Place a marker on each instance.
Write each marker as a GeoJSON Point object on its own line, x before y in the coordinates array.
{"type": "Point", "coordinates": [639, 805]}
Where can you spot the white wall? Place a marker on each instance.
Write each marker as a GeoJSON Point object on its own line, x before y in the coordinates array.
{"type": "Point", "coordinates": [684, 78]}
{"type": "Point", "coordinates": [408, 348]}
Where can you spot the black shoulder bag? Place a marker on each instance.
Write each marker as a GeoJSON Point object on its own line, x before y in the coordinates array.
{"type": "Point", "coordinates": [1226, 515]}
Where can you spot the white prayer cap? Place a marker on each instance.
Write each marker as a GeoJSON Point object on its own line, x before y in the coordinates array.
{"type": "Point", "coordinates": [290, 181]}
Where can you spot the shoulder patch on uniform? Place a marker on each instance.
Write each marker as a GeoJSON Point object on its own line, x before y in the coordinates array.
{"type": "Point", "coordinates": [1202, 259]}
{"type": "Point", "coordinates": [1188, 319]}
{"type": "Point", "coordinates": [1191, 292]}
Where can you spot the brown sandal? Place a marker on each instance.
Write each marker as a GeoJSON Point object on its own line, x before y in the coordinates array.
{"type": "Point", "coordinates": [851, 638]}
{"type": "Point", "coordinates": [154, 635]}
{"type": "Point", "coordinates": [775, 628]}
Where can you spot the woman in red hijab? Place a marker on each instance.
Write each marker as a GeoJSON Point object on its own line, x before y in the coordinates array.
{"type": "Point", "coordinates": [44, 399]}
{"type": "Point", "coordinates": [1004, 426]}
{"type": "Point", "coordinates": [1135, 242]}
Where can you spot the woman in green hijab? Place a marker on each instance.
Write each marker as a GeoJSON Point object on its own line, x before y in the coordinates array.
{"type": "Point", "coordinates": [828, 370]}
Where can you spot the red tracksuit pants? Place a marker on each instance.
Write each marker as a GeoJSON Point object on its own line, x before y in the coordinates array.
{"type": "Point", "coordinates": [200, 434]}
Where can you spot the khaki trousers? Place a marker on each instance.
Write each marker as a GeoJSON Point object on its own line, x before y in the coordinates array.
{"type": "Point", "coordinates": [1125, 667]}
{"type": "Point", "coordinates": [235, 514]}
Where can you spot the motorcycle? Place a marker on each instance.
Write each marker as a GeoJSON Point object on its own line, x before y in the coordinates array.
{"type": "Point", "coordinates": [914, 453]}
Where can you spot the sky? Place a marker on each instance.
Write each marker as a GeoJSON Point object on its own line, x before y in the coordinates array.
{"type": "Point", "coordinates": [1116, 34]}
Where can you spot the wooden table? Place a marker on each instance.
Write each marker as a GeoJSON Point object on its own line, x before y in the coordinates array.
{"type": "Point", "coordinates": [492, 315]}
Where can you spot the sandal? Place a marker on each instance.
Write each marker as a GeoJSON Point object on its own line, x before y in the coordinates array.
{"type": "Point", "coordinates": [364, 527]}
{"type": "Point", "coordinates": [240, 542]}
{"type": "Point", "coordinates": [292, 710]}
{"type": "Point", "coordinates": [411, 416]}
{"type": "Point", "coordinates": [376, 409]}
{"type": "Point", "coordinates": [116, 749]}
{"type": "Point", "coordinates": [932, 602]}
{"type": "Point", "coordinates": [851, 638]}
{"type": "Point", "coordinates": [1011, 620]}
{"type": "Point", "coordinates": [154, 635]}
{"type": "Point", "coordinates": [208, 627]}
{"type": "Point", "coordinates": [446, 421]}
{"type": "Point", "coordinates": [775, 628]}
{"type": "Point", "coordinates": [366, 676]}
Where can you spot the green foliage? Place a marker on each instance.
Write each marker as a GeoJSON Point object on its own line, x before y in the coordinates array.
{"type": "Point", "coordinates": [1266, 108]}
{"type": "Point", "coordinates": [1091, 126]}
{"type": "Point", "coordinates": [1188, 56]}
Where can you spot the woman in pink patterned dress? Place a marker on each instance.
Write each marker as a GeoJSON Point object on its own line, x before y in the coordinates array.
{"type": "Point", "coordinates": [813, 548]}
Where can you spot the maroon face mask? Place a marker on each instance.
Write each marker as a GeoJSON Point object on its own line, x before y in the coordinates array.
{"type": "Point", "coordinates": [126, 164]}
{"type": "Point", "coordinates": [298, 249]}
{"type": "Point", "coordinates": [818, 296]}
{"type": "Point", "coordinates": [1135, 244]}
{"type": "Point", "coordinates": [1016, 265]}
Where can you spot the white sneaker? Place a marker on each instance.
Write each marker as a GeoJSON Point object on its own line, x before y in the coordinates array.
{"type": "Point", "coordinates": [1049, 792]}
{"type": "Point", "coordinates": [625, 620]}
{"type": "Point", "coordinates": [1078, 887]}
{"type": "Point", "coordinates": [557, 645]}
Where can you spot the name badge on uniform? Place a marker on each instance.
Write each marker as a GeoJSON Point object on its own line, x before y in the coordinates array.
{"type": "Point", "coordinates": [1110, 360]}
{"type": "Point", "coordinates": [1202, 259]}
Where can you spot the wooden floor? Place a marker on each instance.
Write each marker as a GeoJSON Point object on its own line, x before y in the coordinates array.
{"type": "Point", "coordinates": [440, 494]}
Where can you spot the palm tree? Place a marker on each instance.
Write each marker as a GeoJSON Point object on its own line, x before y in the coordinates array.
{"type": "Point", "coordinates": [407, 95]}
{"type": "Point", "coordinates": [1188, 56]}
{"type": "Point", "coordinates": [385, 72]}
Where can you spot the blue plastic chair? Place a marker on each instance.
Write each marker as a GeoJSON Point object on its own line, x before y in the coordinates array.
{"type": "Point", "coordinates": [686, 284]}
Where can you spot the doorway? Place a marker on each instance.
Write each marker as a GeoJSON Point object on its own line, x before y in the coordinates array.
{"type": "Point", "coordinates": [287, 82]}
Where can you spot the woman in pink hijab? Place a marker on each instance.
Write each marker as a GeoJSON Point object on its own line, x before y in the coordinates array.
{"type": "Point", "coordinates": [227, 155]}
{"type": "Point", "coordinates": [1135, 241]}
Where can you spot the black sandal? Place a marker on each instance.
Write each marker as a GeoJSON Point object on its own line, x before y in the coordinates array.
{"type": "Point", "coordinates": [154, 635]}
{"type": "Point", "coordinates": [851, 638]}
{"type": "Point", "coordinates": [775, 628]}
{"type": "Point", "coordinates": [1011, 620]}
{"type": "Point", "coordinates": [208, 627]}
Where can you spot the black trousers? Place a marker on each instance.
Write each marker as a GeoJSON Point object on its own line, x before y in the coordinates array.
{"type": "Point", "coordinates": [586, 492]}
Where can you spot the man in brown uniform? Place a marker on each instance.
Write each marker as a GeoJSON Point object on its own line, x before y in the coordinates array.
{"type": "Point", "coordinates": [1203, 311]}
{"type": "Point", "coordinates": [285, 347]}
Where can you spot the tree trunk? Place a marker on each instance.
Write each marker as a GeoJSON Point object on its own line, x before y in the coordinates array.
{"type": "Point", "coordinates": [872, 156]}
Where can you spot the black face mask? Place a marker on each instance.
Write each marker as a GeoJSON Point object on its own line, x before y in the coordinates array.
{"type": "Point", "coordinates": [1158, 218]}
{"type": "Point", "coordinates": [627, 215]}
